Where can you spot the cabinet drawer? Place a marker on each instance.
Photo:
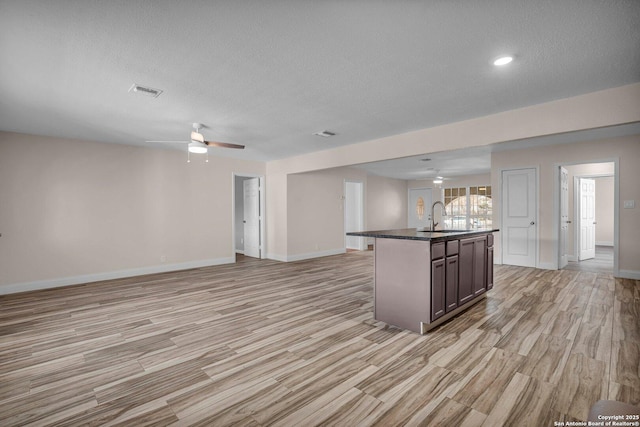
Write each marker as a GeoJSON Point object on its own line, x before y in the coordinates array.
{"type": "Point", "coordinates": [437, 250]}
{"type": "Point", "coordinates": [452, 247]}
{"type": "Point", "coordinates": [490, 240]}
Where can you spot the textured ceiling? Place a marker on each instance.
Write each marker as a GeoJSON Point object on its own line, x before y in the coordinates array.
{"type": "Point", "coordinates": [268, 74]}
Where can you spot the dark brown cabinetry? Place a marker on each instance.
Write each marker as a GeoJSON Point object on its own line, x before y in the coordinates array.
{"type": "Point", "coordinates": [472, 280]}
{"type": "Point", "coordinates": [425, 278]}
{"type": "Point", "coordinates": [451, 275]}
{"type": "Point", "coordinates": [465, 273]}
{"type": "Point", "coordinates": [444, 278]}
{"type": "Point", "coordinates": [479, 266]}
{"type": "Point", "coordinates": [438, 280]}
{"type": "Point", "coordinates": [490, 261]}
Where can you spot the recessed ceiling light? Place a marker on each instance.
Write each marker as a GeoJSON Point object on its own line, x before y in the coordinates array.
{"type": "Point", "coordinates": [325, 134]}
{"type": "Point", "coordinates": [503, 60]}
{"type": "Point", "coordinates": [437, 181]}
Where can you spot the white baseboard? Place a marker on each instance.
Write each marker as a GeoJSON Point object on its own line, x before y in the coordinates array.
{"type": "Point", "coordinates": [238, 251]}
{"type": "Point", "coordinates": [547, 266]}
{"type": "Point", "coordinates": [276, 257]}
{"type": "Point", "coordinates": [572, 258]}
{"type": "Point", "coordinates": [604, 243]}
{"type": "Point", "coordinates": [310, 255]}
{"type": "Point", "coordinates": [629, 274]}
{"type": "Point", "coordinates": [110, 275]}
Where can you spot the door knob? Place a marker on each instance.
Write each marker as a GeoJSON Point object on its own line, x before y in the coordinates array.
{"type": "Point", "coordinates": [532, 223]}
{"type": "Point", "coordinates": [594, 223]}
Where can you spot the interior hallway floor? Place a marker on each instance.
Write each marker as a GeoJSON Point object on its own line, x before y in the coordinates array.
{"type": "Point", "coordinates": [602, 263]}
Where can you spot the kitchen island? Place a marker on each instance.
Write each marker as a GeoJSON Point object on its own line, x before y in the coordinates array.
{"type": "Point", "coordinates": [424, 278]}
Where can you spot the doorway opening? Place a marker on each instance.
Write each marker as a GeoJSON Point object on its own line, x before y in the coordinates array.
{"type": "Point", "coordinates": [354, 214]}
{"type": "Point", "coordinates": [588, 217]}
{"type": "Point", "coordinates": [248, 215]}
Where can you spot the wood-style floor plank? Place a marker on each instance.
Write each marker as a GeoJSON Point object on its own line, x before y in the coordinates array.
{"type": "Point", "coordinates": [267, 343]}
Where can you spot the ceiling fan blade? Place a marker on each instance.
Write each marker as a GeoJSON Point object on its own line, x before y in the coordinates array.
{"type": "Point", "coordinates": [223, 145]}
{"type": "Point", "coordinates": [170, 142]}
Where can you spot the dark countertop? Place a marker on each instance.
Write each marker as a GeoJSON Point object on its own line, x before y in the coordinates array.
{"type": "Point", "coordinates": [412, 234]}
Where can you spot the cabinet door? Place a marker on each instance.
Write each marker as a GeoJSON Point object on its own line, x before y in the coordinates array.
{"type": "Point", "coordinates": [437, 288]}
{"type": "Point", "coordinates": [490, 267]}
{"type": "Point", "coordinates": [479, 265]}
{"type": "Point", "coordinates": [465, 277]}
{"type": "Point", "coordinates": [451, 286]}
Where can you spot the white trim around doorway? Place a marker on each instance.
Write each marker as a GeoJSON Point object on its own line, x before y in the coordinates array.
{"type": "Point", "coordinates": [263, 221]}
{"type": "Point", "coordinates": [538, 264]}
{"type": "Point", "coordinates": [616, 209]}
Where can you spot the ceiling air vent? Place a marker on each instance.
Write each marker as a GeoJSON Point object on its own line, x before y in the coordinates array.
{"type": "Point", "coordinates": [145, 90]}
{"type": "Point", "coordinates": [325, 134]}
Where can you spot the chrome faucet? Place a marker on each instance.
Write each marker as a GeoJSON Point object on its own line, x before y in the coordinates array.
{"type": "Point", "coordinates": [444, 210]}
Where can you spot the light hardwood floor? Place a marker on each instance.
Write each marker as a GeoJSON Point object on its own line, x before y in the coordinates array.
{"type": "Point", "coordinates": [295, 344]}
{"type": "Point", "coordinates": [601, 263]}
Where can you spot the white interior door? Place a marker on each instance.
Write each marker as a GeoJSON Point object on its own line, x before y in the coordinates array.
{"type": "Point", "coordinates": [251, 192]}
{"type": "Point", "coordinates": [354, 214]}
{"type": "Point", "coordinates": [564, 216]}
{"type": "Point", "coordinates": [419, 208]}
{"type": "Point", "coordinates": [519, 223]}
{"type": "Point", "coordinates": [587, 219]}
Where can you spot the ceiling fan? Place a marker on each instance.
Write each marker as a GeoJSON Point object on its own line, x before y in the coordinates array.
{"type": "Point", "coordinates": [437, 179]}
{"type": "Point", "coordinates": [198, 145]}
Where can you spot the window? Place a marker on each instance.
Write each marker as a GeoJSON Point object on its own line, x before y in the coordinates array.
{"type": "Point", "coordinates": [468, 207]}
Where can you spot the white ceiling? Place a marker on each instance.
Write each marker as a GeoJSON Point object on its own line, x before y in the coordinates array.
{"type": "Point", "coordinates": [268, 74]}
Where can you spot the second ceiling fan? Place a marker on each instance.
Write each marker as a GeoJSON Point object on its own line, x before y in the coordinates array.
{"type": "Point", "coordinates": [197, 144]}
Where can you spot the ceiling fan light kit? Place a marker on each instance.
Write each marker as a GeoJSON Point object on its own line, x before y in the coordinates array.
{"type": "Point", "coordinates": [197, 136]}
{"type": "Point", "coordinates": [198, 145]}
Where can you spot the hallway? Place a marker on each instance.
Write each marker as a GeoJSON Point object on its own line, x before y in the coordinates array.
{"type": "Point", "coordinates": [602, 263]}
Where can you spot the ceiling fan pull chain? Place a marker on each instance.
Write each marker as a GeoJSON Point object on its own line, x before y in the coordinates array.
{"type": "Point", "coordinates": [207, 161]}
{"type": "Point", "coordinates": [188, 156]}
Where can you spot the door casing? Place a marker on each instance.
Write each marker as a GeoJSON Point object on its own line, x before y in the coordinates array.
{"type": "Point", "coordinates": [535, 215]}
{"type": "Point", "coordinates": [616, 210]}
{"type": "Point", "coordinates": [564, 217]}
{"type": "Point", "coordinates": [263, 216]}
{"type": "Point", "coordinates": [251, 217]}
{"type": "Point", "coordinates": [354, 213]}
